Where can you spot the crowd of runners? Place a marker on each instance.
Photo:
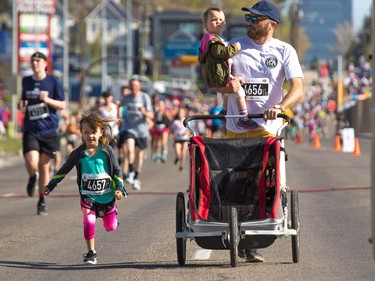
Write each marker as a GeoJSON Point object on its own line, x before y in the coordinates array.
{"type": "Point", "coordinates": [162, 139]}
{"type": "Point", "coordinates": [318, 111]}
{"type": "Point", "coordinates": [165, 131]}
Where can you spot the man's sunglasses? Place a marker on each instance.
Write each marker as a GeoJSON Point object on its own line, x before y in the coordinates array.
{"type": "Point", "coordinates": [254, 19]}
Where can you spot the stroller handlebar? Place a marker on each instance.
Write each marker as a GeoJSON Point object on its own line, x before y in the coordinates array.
{"type": "Point", "coordinates": [201, 117]}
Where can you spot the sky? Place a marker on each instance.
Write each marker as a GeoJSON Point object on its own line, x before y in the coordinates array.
{"type": "Point", "coordinates": [361, 9]}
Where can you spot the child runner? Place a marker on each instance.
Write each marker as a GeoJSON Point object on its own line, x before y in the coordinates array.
{"type": "Point", "coordinates": [215, 54]}
{"type": "Point", "coordinates": [99, 178]}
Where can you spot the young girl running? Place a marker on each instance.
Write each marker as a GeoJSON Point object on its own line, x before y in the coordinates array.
{"type": "Point", "coordinates": [99, 178]}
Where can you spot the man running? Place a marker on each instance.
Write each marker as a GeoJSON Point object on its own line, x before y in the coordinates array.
{"type": "Point", "coordinates": [135, 130]}
{"type": "Point", "coordinates": [42, 96]}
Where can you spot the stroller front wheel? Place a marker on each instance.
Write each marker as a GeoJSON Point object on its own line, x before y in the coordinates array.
{"type": "Point", "coordinates": [180, 227]}
{"type": "Point", "coordinates": [233, 236]}
{"type": "Point", "coordinates": [295, 224]}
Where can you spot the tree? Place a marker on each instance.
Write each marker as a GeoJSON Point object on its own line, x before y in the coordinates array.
{"type": "Point", "coordinates": [345, 36]}
{"type": "Point", "coordinates": [5, 7]}
{"type": "Point", "coordinates": [362, 45]}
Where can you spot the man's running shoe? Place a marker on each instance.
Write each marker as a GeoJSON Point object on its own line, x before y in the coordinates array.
{"type": "Point", "coordinates": [252, 255]}
{"type": "Point", "coordinates": [41, 208]}
{"type": "Point", "coordinates": [137, 184]}
{"type": "Point", "coordinates": [90, 257]}
{"type": "Point", "coordinates": [242, 254]}
{"type": "Point", "coordinates": [30, 188]}
{"type": "Point", "coordinates": [247, 123]}
{"type": "Point", "coordinates": [130, 178]}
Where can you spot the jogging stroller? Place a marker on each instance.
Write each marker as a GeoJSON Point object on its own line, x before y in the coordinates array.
{"type": "Point", "coordinates": [237, 196]}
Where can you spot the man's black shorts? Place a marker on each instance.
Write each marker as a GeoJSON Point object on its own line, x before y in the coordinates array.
{"type": "Point", "coordinates": [142, 143]}
{"type": "Point", "coordinates": [47, 145]}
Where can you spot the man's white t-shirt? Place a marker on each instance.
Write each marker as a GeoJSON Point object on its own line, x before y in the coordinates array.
{"type": "Point", "coordinates": [264, 69]}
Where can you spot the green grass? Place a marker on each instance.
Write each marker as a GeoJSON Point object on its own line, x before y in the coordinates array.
{"type": "Point", "coordinates": [10, 145]}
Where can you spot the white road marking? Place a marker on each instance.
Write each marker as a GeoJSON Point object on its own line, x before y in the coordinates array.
{"type": "Point", "coordinates": [8, 195]}
{"type": "Point", "coordinates": [202, 254]}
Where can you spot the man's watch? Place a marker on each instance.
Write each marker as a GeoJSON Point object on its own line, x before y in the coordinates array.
{"type": "Point", "coordinates": [279, 106]}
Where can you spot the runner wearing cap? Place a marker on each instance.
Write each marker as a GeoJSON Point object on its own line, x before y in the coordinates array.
{"type": "Point", "coordinates": [264, 63]}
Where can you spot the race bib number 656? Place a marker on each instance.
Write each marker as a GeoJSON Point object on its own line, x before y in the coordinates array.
{"type": "Point", "coordinates": [256, 88]}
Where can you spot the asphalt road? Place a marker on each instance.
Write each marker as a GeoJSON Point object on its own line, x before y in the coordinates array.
{"type": "Point", "coordinates": [334, 202]}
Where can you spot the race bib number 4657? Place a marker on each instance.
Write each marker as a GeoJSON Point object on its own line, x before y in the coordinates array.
{"type": "Point", "coordinates": [256, 88]}
{"type": "Point", "coordinates": [95, 184]}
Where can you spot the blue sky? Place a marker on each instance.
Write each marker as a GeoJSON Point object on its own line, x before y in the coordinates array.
{"type": "Point", "coordinates": [361, 8]}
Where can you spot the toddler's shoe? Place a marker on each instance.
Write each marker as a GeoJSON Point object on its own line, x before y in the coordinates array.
{"type": "Point", "coordinates": [247, 123]}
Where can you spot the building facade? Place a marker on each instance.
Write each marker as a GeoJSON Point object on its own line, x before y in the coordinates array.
{"type": "Point", "coordinates": [320, 19]}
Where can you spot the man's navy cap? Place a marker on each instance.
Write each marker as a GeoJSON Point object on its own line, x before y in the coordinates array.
{"type": "Point", "coordinates": [265, 8]}
{"type": "Point", "coordinates": [39, 55]}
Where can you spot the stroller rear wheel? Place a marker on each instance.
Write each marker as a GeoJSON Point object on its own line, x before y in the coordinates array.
{"type": "Point", "coordinates": [180, 227]}
{"type": "Point", "coordinates": [233, 236]}
{"type": "Point", "coordinates": [295, 224]}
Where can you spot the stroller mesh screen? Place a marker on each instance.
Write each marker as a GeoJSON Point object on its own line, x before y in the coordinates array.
{"type": "Point", "coordinates": [234, 188]}
{"type": "Point", "coordinates": [235, 170]}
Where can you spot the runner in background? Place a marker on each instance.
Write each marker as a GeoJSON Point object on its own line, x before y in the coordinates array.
{"type": "Point", "coordinates": [180, 136]}
{"type": "Point", "coordinates": [159, 131]}
{"type": "Point", "coordinates": [42, 96]}
{"type": "Point", "coordinates": [135, 130]}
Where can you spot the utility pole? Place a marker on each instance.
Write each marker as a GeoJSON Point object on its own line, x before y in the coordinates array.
{"type": "Point", "coordinates": [66, 50]}
{"type": "Point", "coordinates": [103, 16]}
{"type": "Point", "coordinates": [129, 38]}
{"type": "Point", "coordinates": [373, 131]}
{"type": "Point", "coordinates": [294, 14]}
{"type": "Point", "coordinates": [15, 76]}
{"type": "Point", "coordinates": [14, 38]}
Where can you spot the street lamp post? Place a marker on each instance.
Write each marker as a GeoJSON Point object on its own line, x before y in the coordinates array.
{"type": "Point", "coordinates": [103, 16]}
{"type": "Point", "coordinates": [66, 50]}
{"type": "Point", "coordinates": [129, 37]}
{"type": "Point", "coordinates": [373, 130]}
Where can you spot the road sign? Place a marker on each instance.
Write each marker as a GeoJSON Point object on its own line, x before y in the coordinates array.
{"type": "Point", "coordinates": [178, 48]}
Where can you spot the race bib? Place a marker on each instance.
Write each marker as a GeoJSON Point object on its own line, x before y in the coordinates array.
{"type": "Point", "coordinates": [38, 111]}
{"type": "Point", "coordinates": [96, 184]}
{"type": "Point", "coordinates": [256, 88]}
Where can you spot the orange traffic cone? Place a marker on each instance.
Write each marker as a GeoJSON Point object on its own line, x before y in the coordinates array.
{"type": "Point", "coordinates": [298, 137]}
{"type": "Point", "coordinates": [357, 150]}
{"type": "Point", "coordinates": [337, 144]}
{"type": "Point", "coordinates": [316, 140]}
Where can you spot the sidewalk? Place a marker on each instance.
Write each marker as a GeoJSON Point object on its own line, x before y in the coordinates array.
{"type": "Point", "coordinates": [10, 160]}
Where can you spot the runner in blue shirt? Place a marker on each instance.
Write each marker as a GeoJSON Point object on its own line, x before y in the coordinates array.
{"type": "Point", "coordinates": [42, 96]}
